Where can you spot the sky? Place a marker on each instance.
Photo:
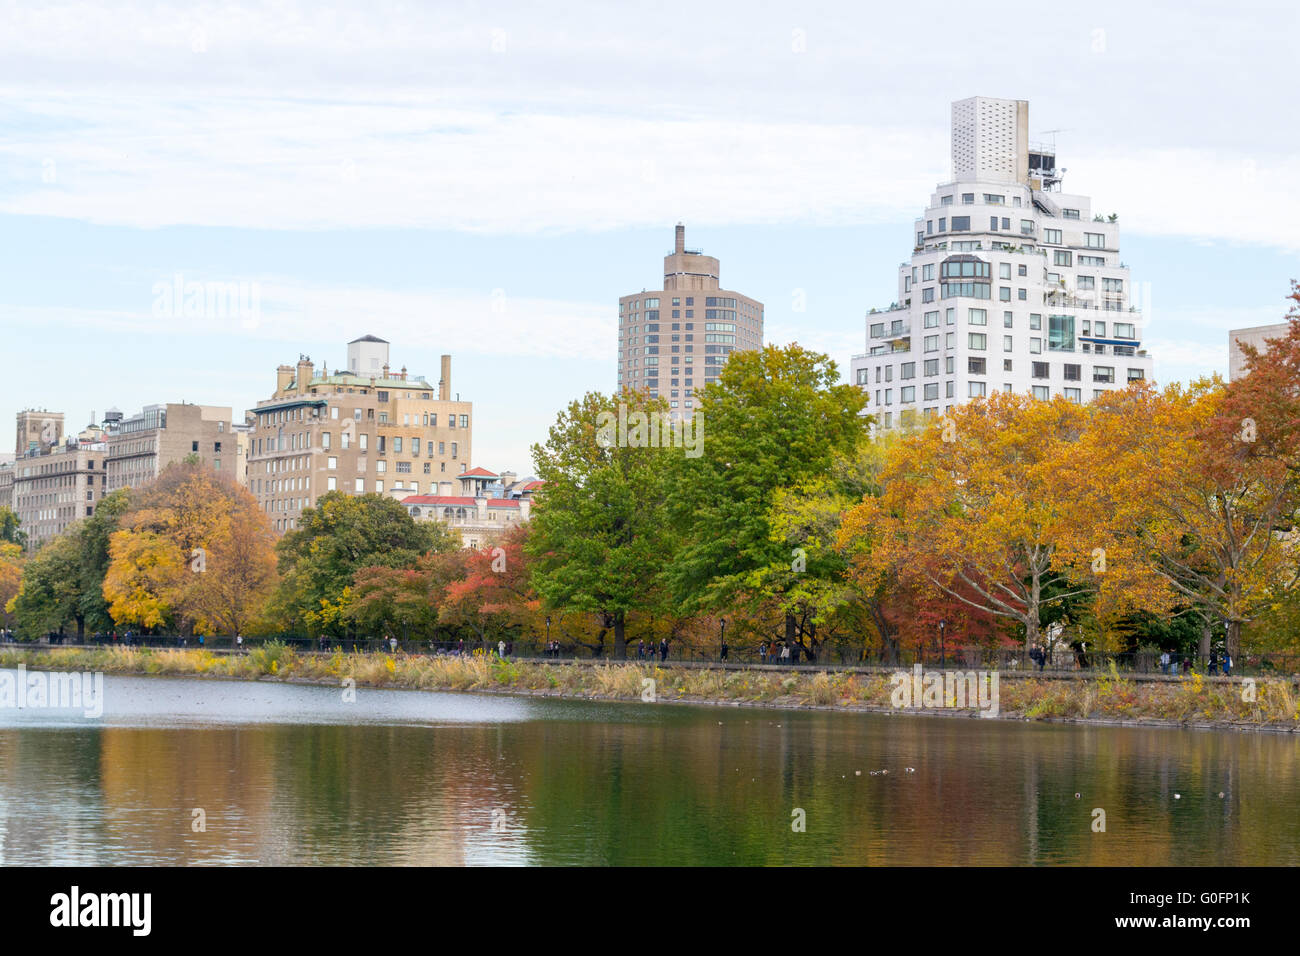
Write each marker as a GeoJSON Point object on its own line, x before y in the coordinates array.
{"type": "Point", "coordinates": [486, 180]}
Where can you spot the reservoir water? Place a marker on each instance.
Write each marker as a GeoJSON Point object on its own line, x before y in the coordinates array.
{"type": "Point", "coordinates": [190, 771]}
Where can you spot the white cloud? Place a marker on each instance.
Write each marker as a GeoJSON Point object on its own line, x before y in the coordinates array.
{"type": "Point", "coordinates": [531, 117]}
{"type": "Point", "coordinates": [292, 311]}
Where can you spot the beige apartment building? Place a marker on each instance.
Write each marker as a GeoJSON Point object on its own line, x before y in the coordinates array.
{"type": "Point", "coordinates": [6, 483]}
{"type": "Point", "coordinates": [37, 428]}
{"type": "Point", "coordinates": [676, 339]}
{"type": "Point", "coordinates": [57, 485]}
{"type": "Point", "coordinates": [1257, 336]}
{"type": "Point", "coordinates": [366, 429]}
{"type": "Point", "coordinates": [140, 447]}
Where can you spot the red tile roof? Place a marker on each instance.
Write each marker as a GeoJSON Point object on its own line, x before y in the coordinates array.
{"type": "Point", "coordinates": [457, 501]}
{"type": "Point", "coordinates": [479, 473]}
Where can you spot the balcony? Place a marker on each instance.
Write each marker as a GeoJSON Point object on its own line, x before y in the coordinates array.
{"type": "Point", "coordinates": [896, 330]}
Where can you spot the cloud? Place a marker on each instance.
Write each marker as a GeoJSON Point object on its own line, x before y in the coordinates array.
{"type": "Point", "coordinates": [293, 311]}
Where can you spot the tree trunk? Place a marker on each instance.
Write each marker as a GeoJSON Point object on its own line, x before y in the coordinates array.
{"type": "Point", "coordinates": [1204, 649]}
{"type": "Point", "coordinates": [620, 637]}
{"type": "Point", "coordinates": [789, 637]}
{"type": "Point", "coordinates": [1233, 643]}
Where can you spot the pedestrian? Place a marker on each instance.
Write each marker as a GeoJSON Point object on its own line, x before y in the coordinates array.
{"type": "Point", "coordinates": [762, 652]}
{"type": "Point", "coordinates": [1214, 662]}
{"type": "Point", "coordinates": [1187, 663]}
{"type": "Point", "coordinates": [239, 641]}
{"type": "Point", "coordinates": [724, 650]}
{"type": "Point", "coordinates": [640, 649]}
{"type": "Point", "coordinates": [201, 641]}
{"type": "Point", "coordinates": [392, 644]}
{"type": "Point", "coordinates": [1164, 662]}
{"type": "Point", "coordinates": [501, 649]}
{"type": "Point", "coordinates": [785, 653]}
{"type": "Point", "coordinates": [1227, 664]}
{"type": "Point", "coordinates": [663, 649]}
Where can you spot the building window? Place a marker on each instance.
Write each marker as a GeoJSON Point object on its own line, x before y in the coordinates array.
{"type": "Point", "coordinates": [975, 389]}
{"type": "Point", "coordinates": [1042, 393]}
{"type": "Point", "coordinates": [977, 341]}
{"type": "Point", "coordinates": [1052, 236]}
{"type": "Point", "coordinates": [976, 366]}
{"type": "Point", "coordinates": [1094, 240]}
{"type": "Point", "coordinates": [1039, 370]}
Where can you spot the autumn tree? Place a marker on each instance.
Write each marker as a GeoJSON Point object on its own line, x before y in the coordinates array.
{"type": "Point", "coordinates": [495, 597]}
{"type": "Point", "coordinates": [1212, 515]}
{"type": "Point", "coordinates": [11, 574]}
{"type": "Point", "coordinates": [193, 550]}
{"type": "Point", "coordinates": [319, 559]}
{"type": "Point", "coordinates": [983, 504]}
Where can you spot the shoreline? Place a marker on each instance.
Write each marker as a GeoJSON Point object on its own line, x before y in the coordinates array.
{"type": "Point", "coordinates": [1099, 702]}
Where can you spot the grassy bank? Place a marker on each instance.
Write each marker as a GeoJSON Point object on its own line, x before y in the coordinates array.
{"type": "Point", "coordinates": [1192, 700]}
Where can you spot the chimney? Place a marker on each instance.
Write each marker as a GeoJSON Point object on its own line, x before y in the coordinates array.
{"type": "Point", "coordinates": [525, 507]}
{"type": "Point", "coordinates": [481, 504]}
{"type": "Point", "coordinates": [283, 376]}
{"type": "Point", "coordinates": [444, 384]}
{"type": "Point", "coordinates": [385, 370]}
{"type": "Point", "coordinates": [403, 373]}
{"type": "Point", "coordinates": [305, 369]}
{"type": "Point", "coordinates": [680, 247]}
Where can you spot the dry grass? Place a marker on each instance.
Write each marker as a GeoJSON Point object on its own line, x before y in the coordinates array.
{"type": "Point", "coordinates": [1107, 697]}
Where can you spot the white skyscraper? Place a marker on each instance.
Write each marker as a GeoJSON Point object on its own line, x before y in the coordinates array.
{"type": "Point", "coordinates": [1012, 284]}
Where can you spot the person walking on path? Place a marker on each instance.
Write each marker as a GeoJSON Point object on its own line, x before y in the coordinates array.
{"type": "Point", "coordinates": [762, 652]}
{"type": "Point", "coordinates": [663, 649]}
{"type": "Point", "coordinates": [1164, 662]}
{"type": "Point", "coordinates": [1227, 664]}
{"type": "Point", "coordinates": [724, 650]}
{"type": "Point", "coordinates": [501, 649]}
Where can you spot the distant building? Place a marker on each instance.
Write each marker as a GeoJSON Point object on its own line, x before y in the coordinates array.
{"type": "Point", "coordinates": [140, 447]}
{"type": "Point", "coordinates": [55, 485]}
{"type": "Point", "coordinates": [365, 429]}
{"type": "Point", "coordinates": [1256, 336]}
{"type": "Point", "coordinates": [1012, 284]}
{"type": "Point", "coordinates": [676, 339]}
{"type": "Point", "coordinates": [486, 507]}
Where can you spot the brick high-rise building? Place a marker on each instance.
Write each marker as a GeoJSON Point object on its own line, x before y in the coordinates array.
{"type": "Point", "coordinates": [366, 429]}
{"type": "Point", "coordinates": [686, 330]}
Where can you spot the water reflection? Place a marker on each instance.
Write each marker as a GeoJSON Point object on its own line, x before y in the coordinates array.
{"type": "Point", "coordinates": [291, 775]}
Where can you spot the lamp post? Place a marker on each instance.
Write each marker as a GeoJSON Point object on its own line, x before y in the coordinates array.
{"type": "Point", "coordinates": [943, 650]}
{"type": "Point", "coordinates": [723, 622]}
{"type": "Point", "coordinates": [548, 635]}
